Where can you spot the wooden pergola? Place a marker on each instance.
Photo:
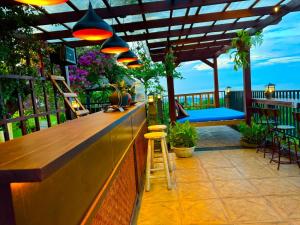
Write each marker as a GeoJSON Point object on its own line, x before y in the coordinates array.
{"type": "Point", "coordinates": [196, 30]}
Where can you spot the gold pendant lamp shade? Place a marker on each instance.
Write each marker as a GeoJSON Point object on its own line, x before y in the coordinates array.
{"type": "Point", "coordinates": [114, 45]}
{"type": "Point", "coordinates": [91, 27]}
{"type": "Point", "coordinates": [42, 2]}
{"type": "Point", "coordinates": [135, 64]}
{"type": "Point", "coordinates": [127, 57]}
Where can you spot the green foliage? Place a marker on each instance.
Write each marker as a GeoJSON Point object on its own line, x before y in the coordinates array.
{"type": "Point", "coordinates": [170, 65]}
{"type": "Point", "coordinates": [183, 135]}
{"type": "Point", "coordinates": [19, 52]}
{"type": "Point", "coordinates": [149, 73]}
{"type": "Point", "coordinates": [240, 45]}
{"type": "Point", "coordinates": [253, 134]}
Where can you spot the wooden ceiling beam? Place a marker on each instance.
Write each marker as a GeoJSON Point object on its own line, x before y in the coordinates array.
{"type": "Point", "coordinates": [193, 40]}
{"type": "Point", "coordinates": [191, 47]}
{"type": "Point", "coordinates": [125, 10]}
{"type": "Point", "coordinates": [163, 34]}
{"type": "Point", "coordinates": [184, 56]}
{"type": "Point", "coordinates": [273, 19]}
{"type": "Point", "coordinates": [194, 19]}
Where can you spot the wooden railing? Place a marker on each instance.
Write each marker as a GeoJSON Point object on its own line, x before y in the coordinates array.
{"type": "Point", "coordinates": [201, 100]}
{"type": "Point", "coordinates": [32, 112]}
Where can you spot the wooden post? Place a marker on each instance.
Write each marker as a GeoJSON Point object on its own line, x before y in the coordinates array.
{"type": "Point", "coordinates": [216, 83]}
{"type": "Point", "coordinates": [247, 89]}
{"type": "Point", "coordinates": [171, 93]}
{"type": "Point", "coordinates": [171, 98]}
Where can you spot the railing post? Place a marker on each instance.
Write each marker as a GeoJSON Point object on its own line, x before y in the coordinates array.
{"type": "Point", "coordinates": [247, 89]}
{"type": "Point", "coordinates": [216, 83]}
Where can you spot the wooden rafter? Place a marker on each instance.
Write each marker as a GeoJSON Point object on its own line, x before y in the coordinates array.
{"type": "Point", "coordinates": [162, 34]}
{"type": "Point", "coordinates": [179, 20]}
{"type": "Point", "coordinates": [125, 10]}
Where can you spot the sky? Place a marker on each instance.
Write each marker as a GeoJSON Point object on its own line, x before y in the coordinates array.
{"type": "Point", "coordinates": [277, 61]}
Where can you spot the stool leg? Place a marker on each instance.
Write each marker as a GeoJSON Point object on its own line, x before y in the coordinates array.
{"type": "Point", "coordinates": [166, 167]}
{"type": "Point", "coordinates": [148, 166]}
{"type": "Point", "coordinates": [168, 157]}
{"type": "Point", "coordinates": [152, 154]}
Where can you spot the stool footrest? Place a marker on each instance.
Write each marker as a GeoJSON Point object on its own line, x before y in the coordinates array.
{"type": "Point", "coordinates": [157, 177]}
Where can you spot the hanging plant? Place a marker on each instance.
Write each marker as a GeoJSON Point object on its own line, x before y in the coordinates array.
{"type": "Point", "coordinates": [240, 46]}
{"type": "Point", "coordinates": [170, 65]}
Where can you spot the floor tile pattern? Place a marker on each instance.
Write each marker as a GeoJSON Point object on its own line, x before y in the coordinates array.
{"type": "Point", "coordinates": [225, 187]}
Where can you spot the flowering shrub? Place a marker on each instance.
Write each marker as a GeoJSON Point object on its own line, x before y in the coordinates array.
{"type": "Point", "coordinates": [92, 67]}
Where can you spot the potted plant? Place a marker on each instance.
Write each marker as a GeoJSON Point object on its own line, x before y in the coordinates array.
{"type": "Point", "coordinates": [183, 138]}
{"type": "Point", "coordinates": [252, 135]}
{"type": "Point", "coordinates": [240, 46]}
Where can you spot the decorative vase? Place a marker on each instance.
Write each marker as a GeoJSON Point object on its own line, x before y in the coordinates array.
{"type": "Point", "coordinates": [183, 152]}
{"type": "Point", "coordinates": [124, 101]}
{"type": "Point", "coordinates": [114, 98]}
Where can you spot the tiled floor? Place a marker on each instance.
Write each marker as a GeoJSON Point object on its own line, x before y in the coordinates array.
{"type": "Point", "coordinates": [228, 187]}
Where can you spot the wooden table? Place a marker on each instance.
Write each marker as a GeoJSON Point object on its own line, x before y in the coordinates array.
{"type": "Point", "coordinates": [84, 170]}
{"type": "Point", "coordinates": [286, 102]}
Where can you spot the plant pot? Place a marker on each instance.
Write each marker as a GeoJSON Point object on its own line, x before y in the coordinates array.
{"type": "Point", "coordinates": [183, 152]}
{"type": "Point", "coordinates": [247, 145]}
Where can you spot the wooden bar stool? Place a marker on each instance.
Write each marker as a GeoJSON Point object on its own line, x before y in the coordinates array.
{"type": "Point", "coordinates": [157, 136]}
{"type": "Point", "coordinates": [160, 128]}
{"type": "Point", "coordinates": [157, 128]}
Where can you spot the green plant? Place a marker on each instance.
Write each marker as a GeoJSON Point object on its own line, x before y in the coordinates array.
{"type": "Point", "coordinates": [240, 46]}
{"type": "Point", "coordinates": [183, 135]}
{"type": "Point", "coordinates": [170, 65]}
{"type": "Point", "coordinates": [253, 134]}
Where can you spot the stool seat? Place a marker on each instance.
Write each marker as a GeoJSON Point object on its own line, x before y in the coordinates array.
{"type": "Point", "coordinates": [285, 127]}
{"type": "Point", "coordinates": [155, 135]}
{"type": "Point", "coordinates": [157, 127]}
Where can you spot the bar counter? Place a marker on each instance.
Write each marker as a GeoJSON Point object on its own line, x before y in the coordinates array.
{"type": "Point", "coordinates": [85, 171]}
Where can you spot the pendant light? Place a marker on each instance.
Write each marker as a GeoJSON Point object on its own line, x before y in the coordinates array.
{"type": "Point", "coordinates": [114, 45]}
{"type": "Point", "coordinates": [42, 2]}
{"type": "Point", "coordinates": [127, 57]}
{"type": "Point", "coordinates": [91, 27]}
{"type": "Point", "coordinates": [135, 64]}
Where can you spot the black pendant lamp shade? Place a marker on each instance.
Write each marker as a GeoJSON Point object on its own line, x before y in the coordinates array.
{"type": "Point", "coordinates": [114, 45]}
{"type": "Point", "coordinates": [135, 64]}
{"type": "Point", "coordinates": [91, 27]}
{"type": "Point", "coordinates": [127, 57]}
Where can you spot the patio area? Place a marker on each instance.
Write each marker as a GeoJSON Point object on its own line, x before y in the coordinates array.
{"type": "Point", "coordinates": [231, 187]}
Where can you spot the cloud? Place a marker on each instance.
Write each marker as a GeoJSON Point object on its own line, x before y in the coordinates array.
{"type": "Point", "coordinates": [224, 62]}
{"type": "Point", "coordinates": [279, 60]}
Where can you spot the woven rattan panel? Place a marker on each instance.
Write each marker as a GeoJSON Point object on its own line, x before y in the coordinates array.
{"type": "Point", "coordinates": [117, 207]}
{"type": "Point", "coordinates": [141, 153]}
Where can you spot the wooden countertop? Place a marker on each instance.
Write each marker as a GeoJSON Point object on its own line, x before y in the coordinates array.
{"type": "Point", "coordinates": [287, 102]}
{"type": "Point", "coordinates": [35, 156]}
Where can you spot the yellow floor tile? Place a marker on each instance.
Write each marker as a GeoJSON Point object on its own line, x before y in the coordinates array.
{"type": "Point", "coordinates": [160, 193]}
{"type": "Point", "coordinates": [187, 163]}
{"type": "Point", "coordinates": [223, 173]}
{"type": "Point", "coordinates": [235, 188]}
{"type": "Point", "coordinates": [256, 172]}
{"type": "Point", "coordinates": [196, 191]}
{"type": "Point", "coordinates": [217, 162]}
{"type": "Point", "coordinates": [275, 186]}
{"type": "Point", "coordinates": [288, 206]}
{"type": "Point", "coordinates": [203, 212]}
{"type": "Point", "coordinates": [191, 175]}
{"type": "Point", "coordinates": [254, 209]}
{"type": "Point", "coordinates": [160, 213]}
{"type": "Point", "coordinates": [258, 223]}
